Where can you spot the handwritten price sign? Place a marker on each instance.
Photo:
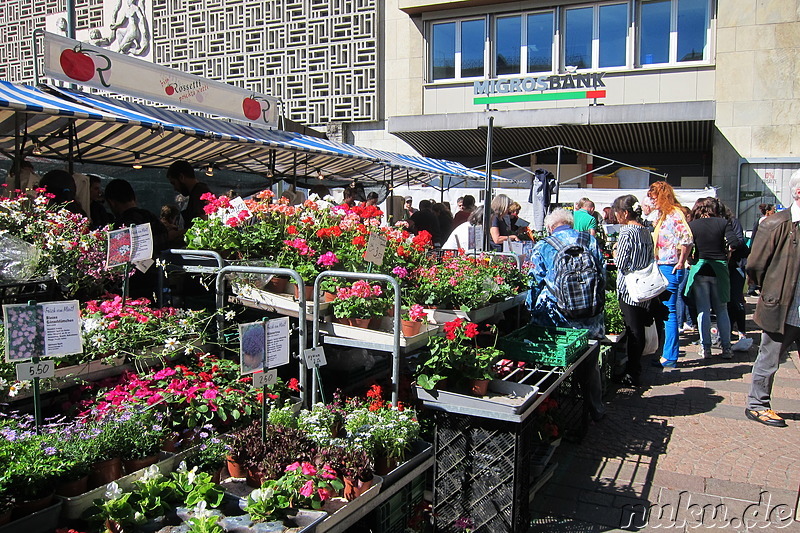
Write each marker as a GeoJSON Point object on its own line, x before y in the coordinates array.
{"type": "Point", "coordinates": [29, 371]}
{"type": "Point", "coordinates": [265, 379]}
{"type": "Point", "coordinates": [376, 247]}
{"type": "Point", "coordinates": [314, 357]}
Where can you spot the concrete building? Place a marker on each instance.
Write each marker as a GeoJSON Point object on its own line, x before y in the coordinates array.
{"type": "Point", "coordinates": [705, 91]}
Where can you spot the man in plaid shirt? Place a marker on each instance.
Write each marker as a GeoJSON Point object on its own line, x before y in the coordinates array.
{"type": "Point", "coordinates": [543, 304]}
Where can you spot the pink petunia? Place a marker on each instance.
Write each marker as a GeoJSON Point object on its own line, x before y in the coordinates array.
{"type": "Point", "coordinates": [308, 489]}
{"type": "Point", "coordinates": [292, 467]}
{"type": "Point", "coordinates": [308, 469]}
{"type": "Point", "coordinates": [210, 394]}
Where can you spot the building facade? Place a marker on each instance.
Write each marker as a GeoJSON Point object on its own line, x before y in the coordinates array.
{"type": "Point", "coordinates": [704, 91]}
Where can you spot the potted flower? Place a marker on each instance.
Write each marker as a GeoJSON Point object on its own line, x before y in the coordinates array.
{"type": "Point", "coordinates": [143, 432]}
{"type": "Point", "coordinates": [33, 467]}
{"type": "Point", "coordinates": [322, 423]}
{"type": "Point", "coordinates": [352, 464]}
{"type": "Point", "coordinates": [210, 455]}
{"type": "Point", "coordinates": [412, 319]}
{"type": "Point", "coordinates": [359, 303]}
{"type": "Point", "coordinates": [479, 367]}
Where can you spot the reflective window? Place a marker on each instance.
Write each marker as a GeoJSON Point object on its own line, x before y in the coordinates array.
{"type": "Point", "coordinates": [540, 42]}
{"type": "Point", "coordinates": [613, 33]}
{"type": "Point", "coordinates": [578, 37]}
{"type": "Point", "coordinates": [473, 35]}
{"type": "Point", "coordinates": [654, 31]}
{"type": "Point", "coordinates": [508, 38]}
{"type": "Point", "coordinates": [443, 50]}
{"type": "Point", "coordinates": [692, 16]}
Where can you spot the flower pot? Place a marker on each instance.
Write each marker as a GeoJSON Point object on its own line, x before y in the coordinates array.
{"type": "Point", "coordinates": [360, 322]}
{"type": "Point", "coordinates": [363, 486]}
{"type": "Point", "coordinates": [479, 387]}
{"type": "Point", "coordinates": [26, 507]}
{"type": "Point", "coordinates": [276, 285]}
{"type": "Point", "coordinates": [343, 320]}
{"type": "Point", "coordinates": [170, 442]}
{"type": "Point", "coordinates": [350, 491]}
{"type": "Point", "coordinates": [132, 465]}
{"type": "Point", "coordinates": [410, 327]}
{"type": "Point", "coordinates": [328, 296]}
{"type": "Point", "coordinates": [254, 478]}
{"type": "Point", "coordinates": [73, 488]}
{"type": "Point", "coordinates": [384, 464]}
{"type": "Point", "coordinates": [235, 469]}
{"type": "Point", "coordinates": [375, 322]}
{"type": "Point", "coordinates": [309, 292]}
{"type": "Point", "coordinates": [104, 472]}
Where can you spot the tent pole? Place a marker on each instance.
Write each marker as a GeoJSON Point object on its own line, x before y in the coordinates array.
{"type": "Point", "coordinates": [487, 188]}
{"type": "Point", "coordinates": [16, 182]}
{"type": "Point", "coordinates": [71, 159]}
{"type": "Point", "coordinates": [558, 173]}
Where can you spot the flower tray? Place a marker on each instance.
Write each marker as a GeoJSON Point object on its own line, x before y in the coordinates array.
{"type": "Point", "coordinates": [440, 316]}
{"type": "Point", "coordinates": [93, 369]}
{"type": "Point", "coordinates": [420, 450]}
{"type": "Point", "coordinates": [547, 346]}
{"type": "Point", "coordinates": [74, 506]}
{"type": "Point", "coordinates": [285, 304]}
{"type": "Point", "coordinates": [44, 521]}
{"type": "Point", "coordinates": [383, 337]}
{"type": "Point", "coordinates": [505, 399]}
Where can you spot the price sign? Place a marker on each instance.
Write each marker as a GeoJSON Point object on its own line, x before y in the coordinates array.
{"type": "Point", "coordinates": [314, 357]}
{"type": "Point", "coordinates": [265, 379]}
{"type": "Point", "coordinates": [376, 247]}
{"type": "Point", "coordinates": [28, 371]}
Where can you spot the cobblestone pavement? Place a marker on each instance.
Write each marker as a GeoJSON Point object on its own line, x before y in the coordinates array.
{"type": "Point", "coordinates": [680, 454]}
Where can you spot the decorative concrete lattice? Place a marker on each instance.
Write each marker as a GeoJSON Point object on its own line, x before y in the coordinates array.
{"type": "Point", "coordinates": [319, 56]}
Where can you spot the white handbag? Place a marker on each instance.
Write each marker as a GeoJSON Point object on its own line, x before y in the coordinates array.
{"type": "Point", "coordinates": [645, 284]}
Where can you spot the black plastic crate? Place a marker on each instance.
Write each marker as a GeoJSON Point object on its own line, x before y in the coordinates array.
{"type": "Point", "coordinates": [21, 292]}
{"type": "Point", "coordinates": [393, 515]}
{"type": "Point", "coordinates": [481, 474]}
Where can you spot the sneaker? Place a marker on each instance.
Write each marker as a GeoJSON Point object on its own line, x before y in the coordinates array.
{"type": "Point", "coordinates": [686, 328]}
{"type": "Point", "coordinates": [705, 352]}
{"type": "Point", "coordinates": [726, 353]}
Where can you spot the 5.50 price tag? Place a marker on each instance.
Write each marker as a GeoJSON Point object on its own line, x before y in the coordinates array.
{"type": "Point", "coordinates": [314, 357]}
{"type": "Point", "coordinates": [265, 379]}
{"type": "Point", "coordinates": [28, 371]}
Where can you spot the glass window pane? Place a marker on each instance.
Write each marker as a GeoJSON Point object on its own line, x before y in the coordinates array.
{"type": "Point", "coordinates": [692, 22]}
{"type": "Point", "coordinates": [578, 38]}
{"type": "Point", "coordinates": [540, 42]}
{"type": "Point", "coordinates": [613, 34]}
{"type": "Point", "coordinates": [509, 41]}
{"type": "Point", "coordinates": [472, 42]}
{"type": "Point", "coordinates": [654, 31]}
{"type": "Point", "coordinates": [443, 51]}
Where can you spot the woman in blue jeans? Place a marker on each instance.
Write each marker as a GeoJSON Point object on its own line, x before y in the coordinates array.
{"type": "Point", "coordinates": [709, 279]}
{"type": "Point", "coordinates": [673, 240]}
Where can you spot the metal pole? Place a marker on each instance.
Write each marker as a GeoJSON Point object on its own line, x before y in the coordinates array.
{"type": "Point", "coordinates": [487, 188]}
{"type": "Point", "coordinates": [71, 19]}
{"type": "Point", "coordinates": [558, 174]}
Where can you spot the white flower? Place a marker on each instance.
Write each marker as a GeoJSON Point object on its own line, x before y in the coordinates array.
{"type": "Point", "coordinates": [150, 473]}
{"type": "Point", "coordinates": [3, 383]}
{"type": "Point", "coordinates": [113, 491]}
{"type": "Point", "coordinates": [14, 389]}
{"type": "Point", "coordinates": [182, 467]}
{"type": "Point", "coordinates": [200, 510]}
{"type": "Point", "coordinates": [171, 344]}
{"type": "Point", "coordinates": [230, 315]}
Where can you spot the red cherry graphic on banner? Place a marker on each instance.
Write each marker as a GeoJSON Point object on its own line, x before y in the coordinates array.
{"type": "Point", "coordinates": [251, 108]}
{"type": "Point", "coordinates": [77, 65]}
{"type": "Point", "coordinates": [169, 89]}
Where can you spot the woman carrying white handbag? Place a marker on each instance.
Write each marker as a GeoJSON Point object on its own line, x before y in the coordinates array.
{"type": "Point", "coordinates": [633, 252]}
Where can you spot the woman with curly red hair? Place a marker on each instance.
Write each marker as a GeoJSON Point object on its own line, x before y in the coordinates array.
{"type": "Point", "coordinates": [673, 242]}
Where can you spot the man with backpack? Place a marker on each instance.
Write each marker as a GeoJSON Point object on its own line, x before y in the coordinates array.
{"type": "Point", "coordinates": [567, 279]}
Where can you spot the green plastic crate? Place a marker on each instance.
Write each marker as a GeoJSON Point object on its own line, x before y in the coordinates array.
{"type": "Point", "coordinates": [543, 345]}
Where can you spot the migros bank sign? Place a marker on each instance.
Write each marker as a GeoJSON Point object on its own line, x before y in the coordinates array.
{"type": "Point", "coordinates": [541, 88]}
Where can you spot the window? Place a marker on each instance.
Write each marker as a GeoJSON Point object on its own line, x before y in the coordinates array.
{"type": "Point", "coordinates": [595, 36]}
{"type": "Point", "coordinates": [457, 49]}
{"type": "Point", "coordinates": [508, 35]}
{"type": "Point", "coordinates": [673, 31]}
{"type": "Point", "coordinates": [540, 42]}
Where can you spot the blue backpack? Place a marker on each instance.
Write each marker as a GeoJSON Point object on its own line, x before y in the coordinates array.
{"type": "Point", "coordinates": [578, 285]}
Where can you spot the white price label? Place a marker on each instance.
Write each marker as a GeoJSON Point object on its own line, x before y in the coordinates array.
{"type": "Point", "coordinates": [314, 357]}
{"type": "Point", "coordinates": [28, 371]}
{"type": "Point", "coordinates": [265, 379]}
{"type": "Point", "coordinates": [376, 248]}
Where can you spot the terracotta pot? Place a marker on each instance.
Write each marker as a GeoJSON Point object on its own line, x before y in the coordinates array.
{"type": "Point", "coordinates": [26, 507]}
{"type": "Point", "coordinates": [343, 320]}
{"type": "Point", "coordinates": [309, 292]}
{"type": "Point", "coordinates": [254, 478]}
{"type": "Point", "coordinates": [479, 387]}
{"type": "Point", "coordinates": [375, 322]}
{"type": "Point", "coordinates": [410, 327]}
{"type": "Point", "coordinates": [276, 285]}
{"type": "Point", "coordinates": [328, 296]}
{"type": "Point", "coordinates": [363, 486]}
{"type": "Point", "coordinates": [104, 472]}
{"type": "Point", "coordinates": [170, 442]}
{"type": "Point", "coordinates": [235, 469]}
{"type": "Point", "coordinates": [350, 491]}
{"type": "Point", "coordinates": [73, 488]}
{"type": "Point", "coordinates": [132, 465]}
{"type": "Point", "coordinates": [360, 322]}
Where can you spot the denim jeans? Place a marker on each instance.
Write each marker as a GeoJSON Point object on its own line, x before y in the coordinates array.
{"type": "Point", "coordinates": [671, 340]}
{"type": "Point", "coordinates": [706, 297]}
{"type": "Point", "coordinates": [682, 309]}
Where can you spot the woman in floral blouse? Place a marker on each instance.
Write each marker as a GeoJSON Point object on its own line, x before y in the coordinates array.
{"type": "Point", "coordinates": [673, 240]}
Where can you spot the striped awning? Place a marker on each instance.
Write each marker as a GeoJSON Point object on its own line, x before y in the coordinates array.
{"type": "Point", "coordinates": [111, 131]}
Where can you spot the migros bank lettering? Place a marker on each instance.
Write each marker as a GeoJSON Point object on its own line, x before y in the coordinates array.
{"type": "Point", "coordinates": [508, 90]}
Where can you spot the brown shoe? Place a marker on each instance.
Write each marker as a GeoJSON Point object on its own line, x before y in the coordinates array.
{"type": "Point", "coordinates": [767, 417]}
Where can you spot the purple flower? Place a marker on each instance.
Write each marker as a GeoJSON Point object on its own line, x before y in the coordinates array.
{"type": "Point", "coordinates": [400, 272]}
{"type": "Point", "coordinates": [50, 451]}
